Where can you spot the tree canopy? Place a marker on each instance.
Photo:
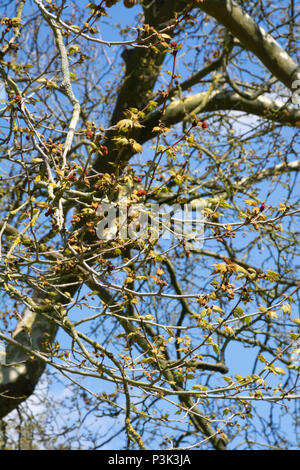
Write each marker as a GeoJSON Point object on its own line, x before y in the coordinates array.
{"type": "Point", "coordinates": [148, 232]}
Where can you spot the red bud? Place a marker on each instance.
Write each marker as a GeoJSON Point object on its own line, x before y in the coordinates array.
{"type": "Point", "coordinates": [262, 207]}
{"type": "Point", "coordinates": [104, 149]}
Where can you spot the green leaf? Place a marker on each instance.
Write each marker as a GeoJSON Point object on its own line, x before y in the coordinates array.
{"type": "Point", "coordinates": [280, 371]}
{"type": "Point", "coordinates": [261, 358]}
{"type": "Point", "coordinates": [272, 276]}
{"type": "Point", "coordinates": [287, 308]}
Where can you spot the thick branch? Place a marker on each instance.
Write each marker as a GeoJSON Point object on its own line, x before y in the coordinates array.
{"type": "Point", "coordinates": [254, 38]}
{"type": "Point", "coordinates": [221, 101]}
{"type": "Point", "coordinates": [224, 100]}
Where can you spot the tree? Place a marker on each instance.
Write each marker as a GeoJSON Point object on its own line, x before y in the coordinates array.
{"type": "Point", "coordinates": [148, 229]}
